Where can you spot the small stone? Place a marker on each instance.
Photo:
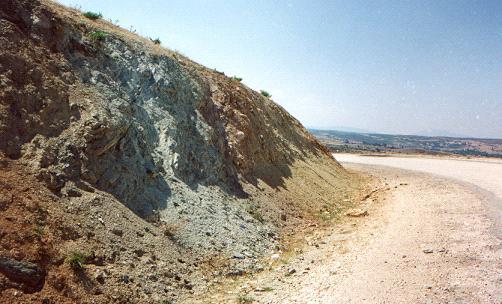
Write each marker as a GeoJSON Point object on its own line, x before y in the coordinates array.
{"type": "Point", "coordinates": [427, 250]}
{"type": "Point", "coordinates": [188, 286]}
{"type": "Point", "coordinates": [153, 278]}
{"type": "Point", "coordinates": [239, 135]}
{"type": "Point", "coordinates": [235, 272]}
{"type": "Point", "coordinates": [100, 277]}
{"type": "Point", "coordinates": [356, 213]}
{"type": "Point", "coordinates": [30, 275]}
{"type": "Point", "coordinates": [117, 231]}
{"type": "Point", "coordinates": [238, 255]}
{"type": "Point", "coordinates": [73, 192]}
{"type": "Point", "coordinates": [125, 278]}
{"type": "Point", "coordinates": [291, 271]}
{"type": "Point", "coordinates": [139, 252]}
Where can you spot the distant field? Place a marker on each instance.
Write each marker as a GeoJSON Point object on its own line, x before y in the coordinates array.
{"type": "Point", "coordinates": [339, 141]}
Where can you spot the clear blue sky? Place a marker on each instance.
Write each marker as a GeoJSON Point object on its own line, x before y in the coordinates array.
{"type": "Point", "coordinates": [385, 66]}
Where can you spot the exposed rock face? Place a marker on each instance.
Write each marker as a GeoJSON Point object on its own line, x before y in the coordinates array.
{"type": "Point", "coordinates": [171, 140]}
{"type": "Point", "coordinates": [127, 119]}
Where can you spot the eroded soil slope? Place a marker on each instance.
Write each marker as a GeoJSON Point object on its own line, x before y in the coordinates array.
{"type": "Point", "coordinates": [161, 173]}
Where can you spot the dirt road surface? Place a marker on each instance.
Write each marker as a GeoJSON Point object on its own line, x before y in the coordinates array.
{"type": "Point", "coordinates": [485, 174]}
{"type": "Point", "coordinates": [432, 235]}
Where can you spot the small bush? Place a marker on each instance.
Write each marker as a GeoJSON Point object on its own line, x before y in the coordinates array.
{"type": "Point", "coordinates": [239, 79]}
{"type": "Point", "coordinates": [76, 260]}
{"type": "Point", "coordinates": [92, 15]}
{"type": "Point", "coordinates": [265, 93]}
{"type": "Point", "coordinates": [98, 36]}
{"type": "Point", "coordinates": [156, 41]}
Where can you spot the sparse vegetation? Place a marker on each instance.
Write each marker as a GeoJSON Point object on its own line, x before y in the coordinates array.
{"type": "Point", "coordinates": [93, 15]}
{"type": "Point", "coordinates": [98, 36]}
{"type": "Point", "coordinates": [38, 231]}
{"type": "Point", "coordinates": [76, 260]}
{"type": "Point", "coordinates": [156, 41]}
{"type": "Point", "coordinates": [239, 79]}
{"type": "Point", "coordinates": [255, 213]}
{"type": "Point", "coordinates": [219, 72]}
{"type": "Point", "coordinates": [179, 55]}
{"type": "Point", "coordinates": [242, 299]}
{"type": "Point", "coordinates": [268, 289]}
{"type": "Point", "coordinates": [170, 231]}
{"type": "Point", "coordinates": [265, 93]}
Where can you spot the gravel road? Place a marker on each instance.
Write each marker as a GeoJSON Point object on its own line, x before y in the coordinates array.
{"type": "Point", "coordinates": [484, 174]}
{"type": "Point", "coordinates": [431, 236]}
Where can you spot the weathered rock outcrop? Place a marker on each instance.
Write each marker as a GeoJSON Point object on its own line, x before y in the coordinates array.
{"type": "Point", "coordinates": [173, 141]}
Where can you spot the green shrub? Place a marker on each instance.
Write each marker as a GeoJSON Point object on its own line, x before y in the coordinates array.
{"type": "Point", "coordinates": [76, 260]}
{"type": "Point", "coordinates": [156, 40]}
{"type": "Point", "coordinates": [265, 93]}
{"type": "Point", "coordinates": [98, 36]}
{"type": "Point", "coordinates": [239, 79]}
{"type": "Point", "coordinates": [92, 15]}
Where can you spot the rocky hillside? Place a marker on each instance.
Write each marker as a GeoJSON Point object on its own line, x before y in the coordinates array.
{"type": "Point", "coordinates": [131, 174]}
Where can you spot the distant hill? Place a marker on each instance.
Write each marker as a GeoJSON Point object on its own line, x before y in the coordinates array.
{"type": "Point", "coordinates": [443, 133]}
{"type": "Point", "coordinates": [344, 129]}
{"type": "Point", "coordinates": [341, 141]}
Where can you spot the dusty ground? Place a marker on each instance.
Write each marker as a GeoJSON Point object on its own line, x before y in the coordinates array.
{"type": "Point", "coordinates": [429, 237]}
